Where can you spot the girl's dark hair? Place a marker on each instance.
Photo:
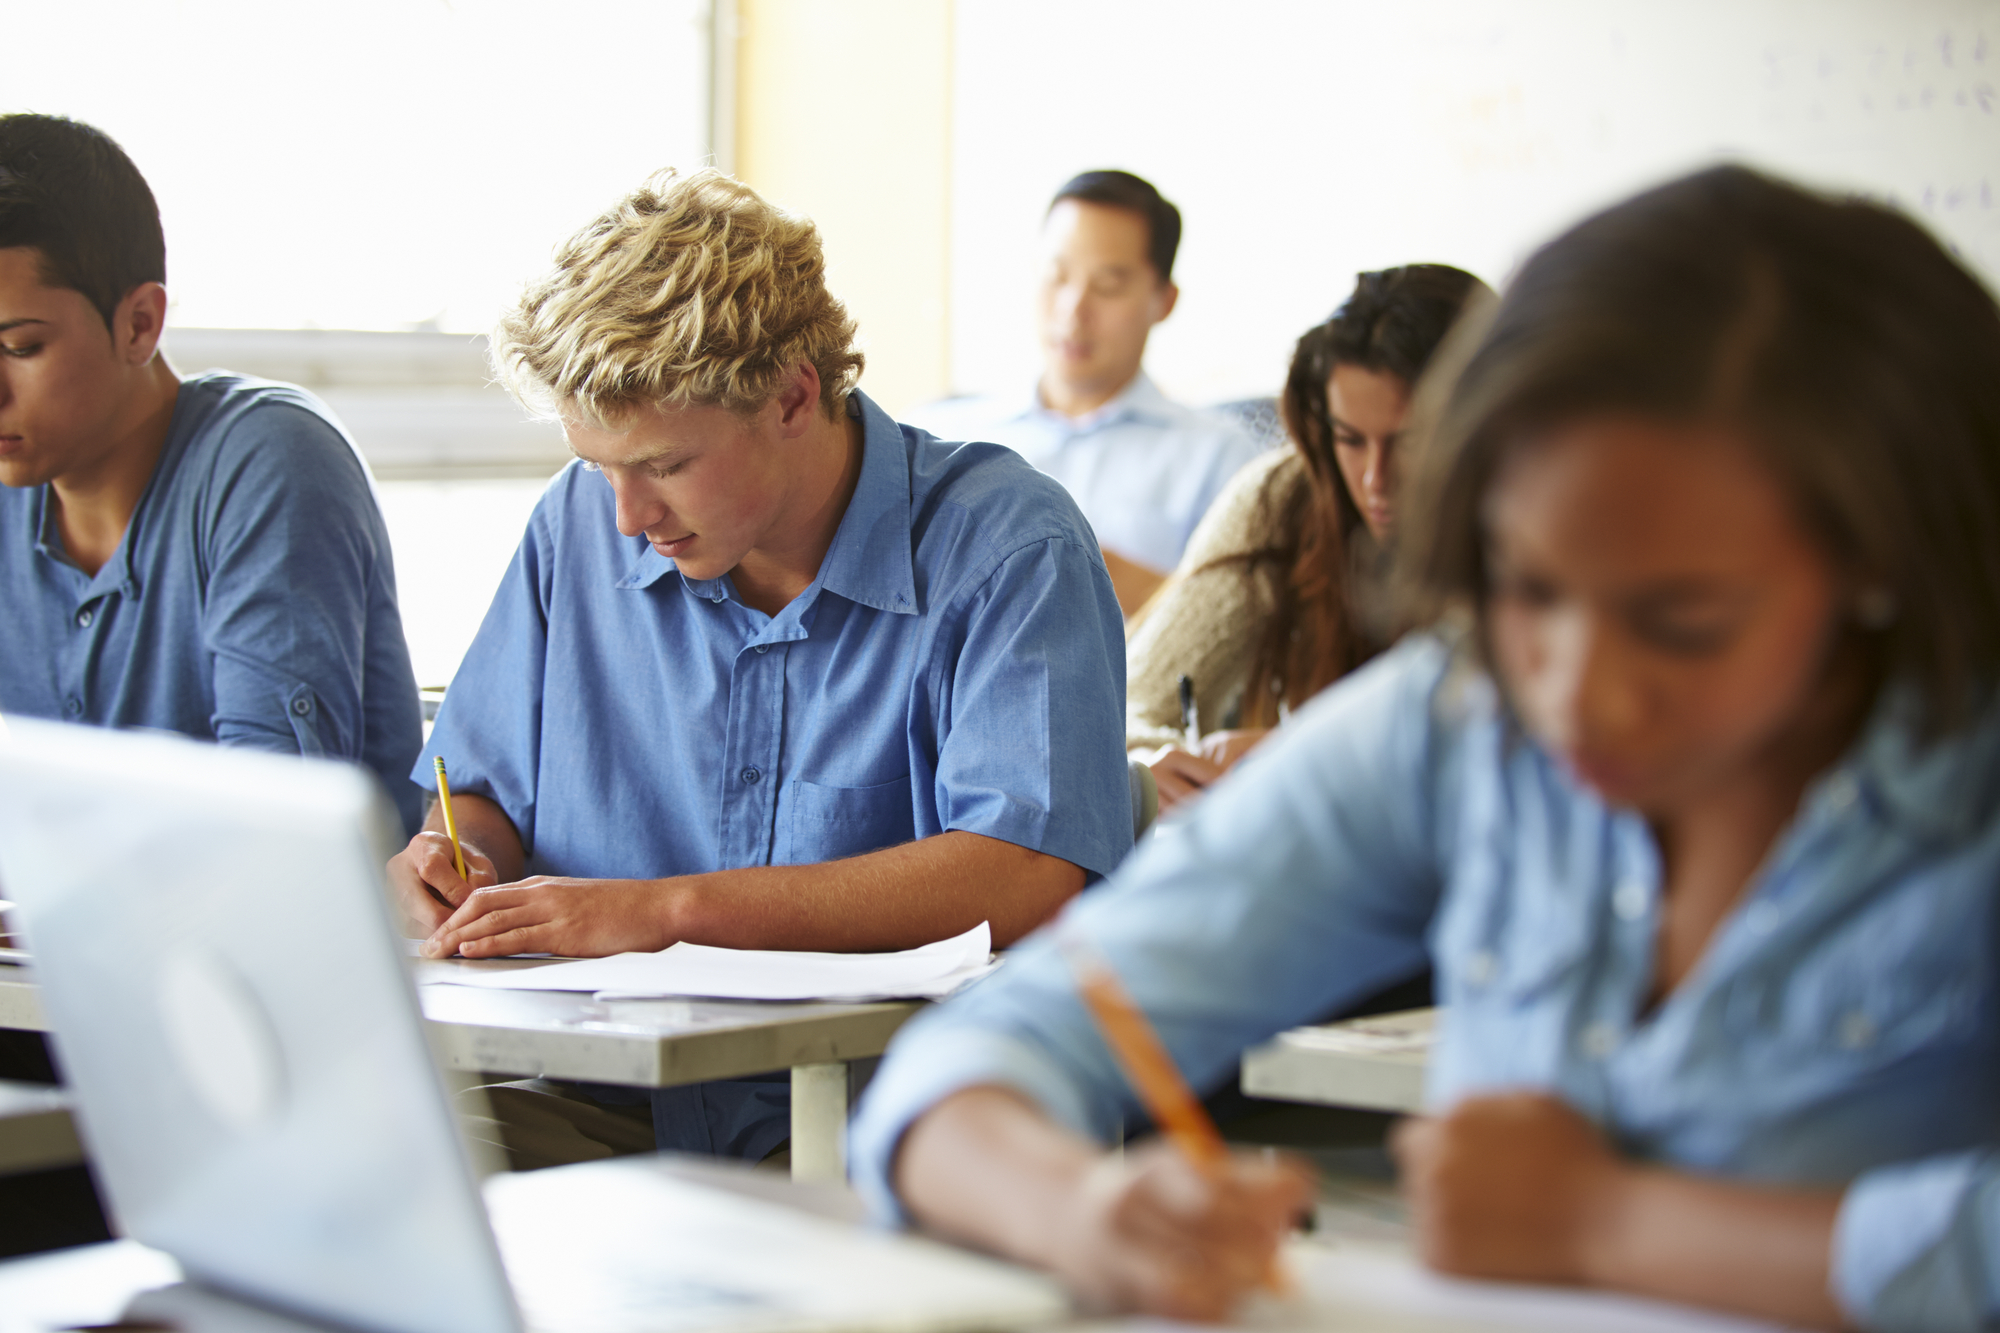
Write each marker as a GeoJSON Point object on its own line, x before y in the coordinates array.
{"type": "Point", "coordinates": [1858, 357]}
{"type": "Point", "coordinates": [1392, 323]}
{"type": "Point", "coordinates": [69, 192]}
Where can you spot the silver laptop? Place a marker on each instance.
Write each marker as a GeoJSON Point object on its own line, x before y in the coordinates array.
{"type": "Point", "coordinates": [230, 1004]}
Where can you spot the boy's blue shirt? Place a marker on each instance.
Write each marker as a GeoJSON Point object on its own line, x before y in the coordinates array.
{"type": "Point", "coordinates": [1843, 1025]}
{"type": "Point", "coordinates": [958, 664]}
{"type": "Point", "coordinates": [252, 600]}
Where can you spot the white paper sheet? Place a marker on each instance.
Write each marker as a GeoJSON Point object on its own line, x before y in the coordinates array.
{"type": "Point", "coordinates": [1359, 1287]}
{"type": "Point", "coordinates": [703, 971]}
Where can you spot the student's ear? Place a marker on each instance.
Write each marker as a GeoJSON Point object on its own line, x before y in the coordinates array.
{"type": "Point", "coordinates": [798, 399]}
{"type": "Point", "coordinates": [137, 323]}
{"type": "Point", "coordinates": [1163, 300]}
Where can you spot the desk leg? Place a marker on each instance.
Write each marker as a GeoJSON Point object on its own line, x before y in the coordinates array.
{"type": "Point", "coordinates": [819, 1122]}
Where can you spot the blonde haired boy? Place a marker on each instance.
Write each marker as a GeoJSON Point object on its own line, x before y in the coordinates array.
{"type": "Point", "coordinates": [768, 670]}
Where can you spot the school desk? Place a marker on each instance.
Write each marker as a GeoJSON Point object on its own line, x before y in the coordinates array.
{"type": "Point", "coordinates": [1351, 1280]}
{"type": "Point", "coordinates": [1375, 1063]}
{"type": "Point", "coordinates": [637, 1043]}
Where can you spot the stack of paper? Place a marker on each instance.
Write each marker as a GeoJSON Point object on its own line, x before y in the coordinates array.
{"type": "Point", "coordinates": [703, 971]}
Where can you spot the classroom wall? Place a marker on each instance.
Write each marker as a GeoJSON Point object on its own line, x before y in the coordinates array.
{"type": "Point", "coordinates": [1306, 141]}
{"type": "Point", "coordinates": [843, 112]}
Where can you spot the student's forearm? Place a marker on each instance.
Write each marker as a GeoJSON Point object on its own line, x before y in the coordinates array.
{"type": "Point", "coordinates": [1763, 1252]}
{"type": "Point", "coordinates": [484, 825]}
{"type": "Point", "coordinates": [896, 898]}
{"type": "Point", "coordinates": [986, 1167]}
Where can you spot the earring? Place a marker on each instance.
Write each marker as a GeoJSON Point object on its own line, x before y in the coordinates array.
{"type": "Point", "coordinates": [1875, 607]}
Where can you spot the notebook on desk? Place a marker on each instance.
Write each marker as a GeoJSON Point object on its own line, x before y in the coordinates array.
{"type": "Point", "coordinates": [234, 1013]}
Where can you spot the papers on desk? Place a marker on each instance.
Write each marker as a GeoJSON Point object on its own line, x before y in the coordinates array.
{"type": "Point", "coordinates": [705, 972]}
{"type": "Point", "coordinates": [1413, 1031]}
{"type": "Point", "coordinates": [1381, 1288]}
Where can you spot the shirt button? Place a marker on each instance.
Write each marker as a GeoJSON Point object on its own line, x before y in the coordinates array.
{"type": "Point", "coordinates": [1841, 792]}
{"type": "Point", "coordinates": [1599, 1040]}
{"type": "Point", "coordinates": [73, 705]}
{"type": "Point", "coordinates": [751, 775]}
{"type": "Point", "coordinates": [302, 706]}
{"type": "Point", "coordinates": [84, 617]}
{"type": "Point", "coordinates": [763, 647]}
{"type": "Point", "coordinates": [1629, 900]}
{"type": "Point", "coordinates": [1479, 968]}
{"type": "Point", "coordinates": [1857, 1030]}
{"type": "Point", "coordinates": [718, 599]}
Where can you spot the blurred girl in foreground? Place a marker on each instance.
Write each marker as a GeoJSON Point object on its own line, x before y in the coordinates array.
{"type": "Point", "coordinates": [1700, 815]}
{"type": "Point", "coordinates": [1278, 593]}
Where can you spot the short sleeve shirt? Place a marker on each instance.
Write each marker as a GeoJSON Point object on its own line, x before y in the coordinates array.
{"type": "Point", "coordinates": [958, 663]}
{"type": "Point", "coordinates": [252, 600]}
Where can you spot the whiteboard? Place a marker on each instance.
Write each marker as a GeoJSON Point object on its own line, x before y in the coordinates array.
{"type": "Point", "coordinates": [1306, 141]}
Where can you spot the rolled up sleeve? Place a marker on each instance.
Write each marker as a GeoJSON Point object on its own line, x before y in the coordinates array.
{"type": "Point", "coordinates": [291, 537]}
{"type": "Point", "coordinates": [1305, 881]}
{"type": "Point", "coordinates": [1917, 1246]}
{"type": "Point", "coordinates": [1032, 750]}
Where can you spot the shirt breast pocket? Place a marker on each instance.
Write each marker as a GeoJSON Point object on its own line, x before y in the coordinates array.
{"type": "Point", "coordinates": [832, 822]}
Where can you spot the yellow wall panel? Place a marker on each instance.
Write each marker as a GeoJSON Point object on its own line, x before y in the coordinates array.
{"type": "Point", "coordinates": [843, 113]}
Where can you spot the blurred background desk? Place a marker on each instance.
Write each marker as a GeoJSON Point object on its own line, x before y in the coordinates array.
{"type": "Point", "coordinates": [1374, 1063]}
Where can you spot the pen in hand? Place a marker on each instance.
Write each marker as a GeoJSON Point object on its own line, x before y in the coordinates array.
{"type": "Point", "coordinates": [1190, 718]}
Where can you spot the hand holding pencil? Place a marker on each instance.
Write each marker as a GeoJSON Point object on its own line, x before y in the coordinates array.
{"type": "Point", "coordinates": [439, 870]}
{"type": "Point", "coordinates": [1230, 1214]}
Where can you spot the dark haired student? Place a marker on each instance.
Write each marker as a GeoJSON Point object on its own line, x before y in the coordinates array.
{"type": "Point", "coordinates": [203, 555]}
{"type": "Point", "coordinates": [1698, 819]}
{"type": "Point", "coordinates": [1142, 467]}
{"type": "Point", "coordinates": [1280, 592]}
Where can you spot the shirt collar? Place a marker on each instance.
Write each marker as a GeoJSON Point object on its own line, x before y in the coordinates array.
{"type": "Point", "coordinates": [869, 561]}
{"type": "Point", "coordinates": [1945, 789]}
{"type": "Point", "coordinates": [116, 574]}
{"type": "Point", "coordinates": [1141, 400]}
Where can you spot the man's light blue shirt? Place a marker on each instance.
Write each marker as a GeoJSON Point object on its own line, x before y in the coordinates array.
{"type": "Point", "coordinates": [957, 664]}
{"type": "Point", "coordinates": [1842, 1027]}
{"type": "Point", "coordinates": [252, 600]}
{"type": "Point", "coordinates": [1143, 468]}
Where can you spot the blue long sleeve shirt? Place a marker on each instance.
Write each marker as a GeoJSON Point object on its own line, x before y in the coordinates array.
{"type": "Point", "coordinates": [251, 602]}
{"type": "Point", "coordinates": [1842, 1029]}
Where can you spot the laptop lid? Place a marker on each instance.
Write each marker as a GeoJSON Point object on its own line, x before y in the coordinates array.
{"type": "Point", "coordinates": [211, 934]}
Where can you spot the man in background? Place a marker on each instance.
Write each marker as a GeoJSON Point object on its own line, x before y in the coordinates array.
{"type": "Point", "coordinates": [1142, 467]}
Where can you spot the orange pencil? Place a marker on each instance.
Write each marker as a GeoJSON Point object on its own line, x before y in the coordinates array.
{"type": "Point", "coordinates": [1143, 1057]}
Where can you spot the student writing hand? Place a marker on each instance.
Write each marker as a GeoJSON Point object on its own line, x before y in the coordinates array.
{"type": "Point", "coordinates": [1224, 748]}
{"type": "Point", "coordinates": [424, 872]}
{"type": "Point", "coordinates": [1178, 775]}
{"type": "Point", "coordinates": [584, 918]}
{"type": "Point", "coordinates": [1507, 1186]}
{"type": "Point", "coordinates": [1152, 1232]}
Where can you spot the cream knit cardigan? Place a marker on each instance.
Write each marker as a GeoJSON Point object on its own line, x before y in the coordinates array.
{"type": "Point", "coordinates": [1206, 624]}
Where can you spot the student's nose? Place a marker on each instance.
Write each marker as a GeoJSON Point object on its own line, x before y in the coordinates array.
{"type": "Point", "coordinates": [1068, 305]}
{"type": "Point", "coordinates": [637, 510]}
{"type": "Point", "coordinates": [1375, 479]}
{"type": "Point", "coordinates": [1594, 698]}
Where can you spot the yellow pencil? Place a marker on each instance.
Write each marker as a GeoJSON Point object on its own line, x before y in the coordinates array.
{"type": "Point", "coordinates": [450, 826]}
{"type": "Point", "coordinates": [1143, 1056]}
